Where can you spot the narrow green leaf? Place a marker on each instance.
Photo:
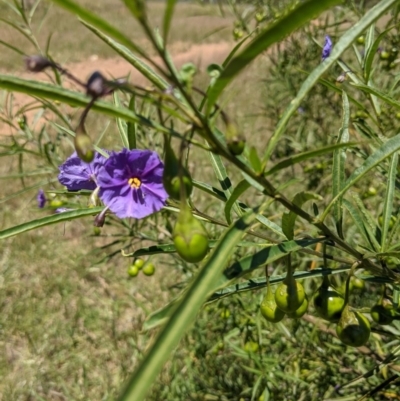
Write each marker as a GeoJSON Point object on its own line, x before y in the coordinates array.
{"type": "Point", "coordinates": [371, 51]}
{"type": "Point", "coordinates": [373, 91]}
{"type": "Point", "coordinates": [185, 312]}
{"type": "Point", "coordinates": [386, 150]}
{"type": "Point", "coordinates": [131, 126]}
{"type": "Point", "coordinates": [260, 282]}
{"type": "Point", "coordinates": [358, 220]}
{"type": "Point", "coordinates": [344, 42]}
{"type": "Point", "coordinates": [169, 12]}
{"type": "Point", "coordinates": [121, 124]}
{"type": "Point", "coordinates": [292, 160]}
{"type": "Point", "coordinates": [388, 202]}
{"type": "Point", "coordinates": [99, 23]}
{"type": "Point", "coordinates": [240, 188]}
{"type": "Point", "coordinates": [224, 180]}
{"type": "Point", "coordinates": [46, 221]}
{"type": "Point", "coordinates": [370, 223]}
{"type": "Point", "coordinates": [339, 159]}
{"type": "Point", "coordinates": [136, 62]}
{"type": "Point", "coordinates": [47, 91]}
{"type": "Point", "coordinates": [289, 219]}
{"type": "Point", "coordinates": [255, 160]}
{"type": "Point", "coordinates": [292, 20]}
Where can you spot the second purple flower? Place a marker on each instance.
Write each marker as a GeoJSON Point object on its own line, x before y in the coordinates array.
{"type": "Point", "coordinates": [131, 183]}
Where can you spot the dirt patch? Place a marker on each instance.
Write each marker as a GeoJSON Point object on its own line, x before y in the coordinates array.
{"type": "Point", "coordinates": [200, 55]}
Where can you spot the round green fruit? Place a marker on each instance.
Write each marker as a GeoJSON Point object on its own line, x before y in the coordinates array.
{"type": "Point", "coordinates": [328, 304]}
{"type": "Point", "coordinates": [300, 311]}
{"type": "Point", "coordinates": [270, 310]}
{"type": "Point", "coordinates": [251, 347]}
{"type": "Point", "coordinates": [148, 269]}
{"type": "Point", "coordinates": [361, 40]}
{"type": "Point", "coordinates": [133, 270]}
{"type": "Point", "coordinates": [289, 295]}
{"type": "Point", "coordinates": [139, 263]}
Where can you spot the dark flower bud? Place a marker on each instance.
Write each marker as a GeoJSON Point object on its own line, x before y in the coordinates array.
{"type": "Point", "coordinates": [37, 63]}
{"type": "Point", "coordinates": [100, 219]}
{"type": "Point", "coordinates": [96, 85]}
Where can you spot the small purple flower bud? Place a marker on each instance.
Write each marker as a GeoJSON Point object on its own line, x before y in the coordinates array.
{"type": "Point", "coordinates": [100, 219]}
{"type": "Point", "coordinates": [41, 199]}
{"type": "Point", "coordinates": [96, 85]}
{"type": "Point", "coordinates": [327, 49]}
{"type": "Point", "coordinates": [37, 63]}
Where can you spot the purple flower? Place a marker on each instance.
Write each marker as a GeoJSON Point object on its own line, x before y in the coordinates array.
{"type": "Point", "coordinates": [75, 174]}
{"type": "Point", "coordinates": [131, 183]}
{"type": "Point", "coordinates": [41, 199]}
{"type": "Point", "coordinates": [326, 50]}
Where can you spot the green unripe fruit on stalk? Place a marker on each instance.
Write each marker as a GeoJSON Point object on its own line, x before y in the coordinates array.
{"type": "Point", "coordinates": [353, 328]}
{"type": "Point", "coordinates": [328, 302]}
{"type": "Point", "coordinates": [171, 178]}
{"type": "Point", "coordinates": [289, 295]}
{"type": "Point", "coordinates": [384, 55]}
{"type": "Point", "coordinates": [300, 311]}
{"type": "Point", "coordinates": [133, 270]}
{"type": "Point", "coordinates": [148, 269]}
{"type": "Point", "coordinates": [269, 309]}
{"type": "Point", "coordinates": [361, 40]}
{"type": "Point", "coordinates": [84, 147]}
{"type": "Point", "coordinates": [383, 312]}
{"type": "Point", "coordinates": [190, 237]}
{"type": "Point", "coordinates": [234, 140]}
{"type": "Point", "coordinates": [139, 263]}
{"type": "Point", "coordinates": [251, 347]}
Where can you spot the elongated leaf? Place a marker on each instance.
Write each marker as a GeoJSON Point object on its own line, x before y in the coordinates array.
{"type": "Point", "coordinates": [131, 127]}
{"type": "Point", "coordinates": [99, 23]}
{"type": "Point", "coordinates": [388, 203]}
{"type": "Point", "coordinates": [224, 180]}
{"type": "Point", "coordinates": [48, 220]}
{"type": "Point", "coordinates": [121, 124]}
{"type": "Point", "coordinates": [373, 91]}
{"type": "Point", "coordinates": [136, 62]}
{"type": "Point", "coordinates": [261, 282]}
{"type": "Point", "coordinates": [170, 248]}
{"type": "Point", "coordinates": [291, 21]}
{"type": "Point", "coordinates": [185, 312]}
{"type": "Point", "coordinates": [169, 12]}
{"type": "Point", "coordinates": [292, 160]}
{"type": "Point", "coordinates": [344, 42]}
{"type": "Point", "coordinates": [386, 150]}
{"type": "Point", "coordinates": [339, 159]}
{"type": "Point", "coordinates": [47, 91]}
{"type": "Point", "coordinates": [289, 219]}
{"type": "Point", "coordinates": [371, 52]}
{"type": "Point", "coordinates": [240, 188]}
{"type": "Point", "coordinates": [360, 224]}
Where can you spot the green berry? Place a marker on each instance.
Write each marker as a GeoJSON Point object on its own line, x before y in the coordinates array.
{"type": "Point", "coordinates": [148, 269]}
{"type": "Point", "coordinates": [133, 270]}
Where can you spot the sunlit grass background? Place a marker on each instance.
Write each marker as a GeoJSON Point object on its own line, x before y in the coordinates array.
{"type": "Point", "coordinates": [71, 318]}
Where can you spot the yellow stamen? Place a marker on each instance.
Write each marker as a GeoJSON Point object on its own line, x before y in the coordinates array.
{"type": "Point", "coordinates": [134, 182]}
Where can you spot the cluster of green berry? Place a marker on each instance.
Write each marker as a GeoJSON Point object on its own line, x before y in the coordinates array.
{"type": "Point", "coordinates": [352, 327]}
{"type": "Point", "coordinates": [147, 268]}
